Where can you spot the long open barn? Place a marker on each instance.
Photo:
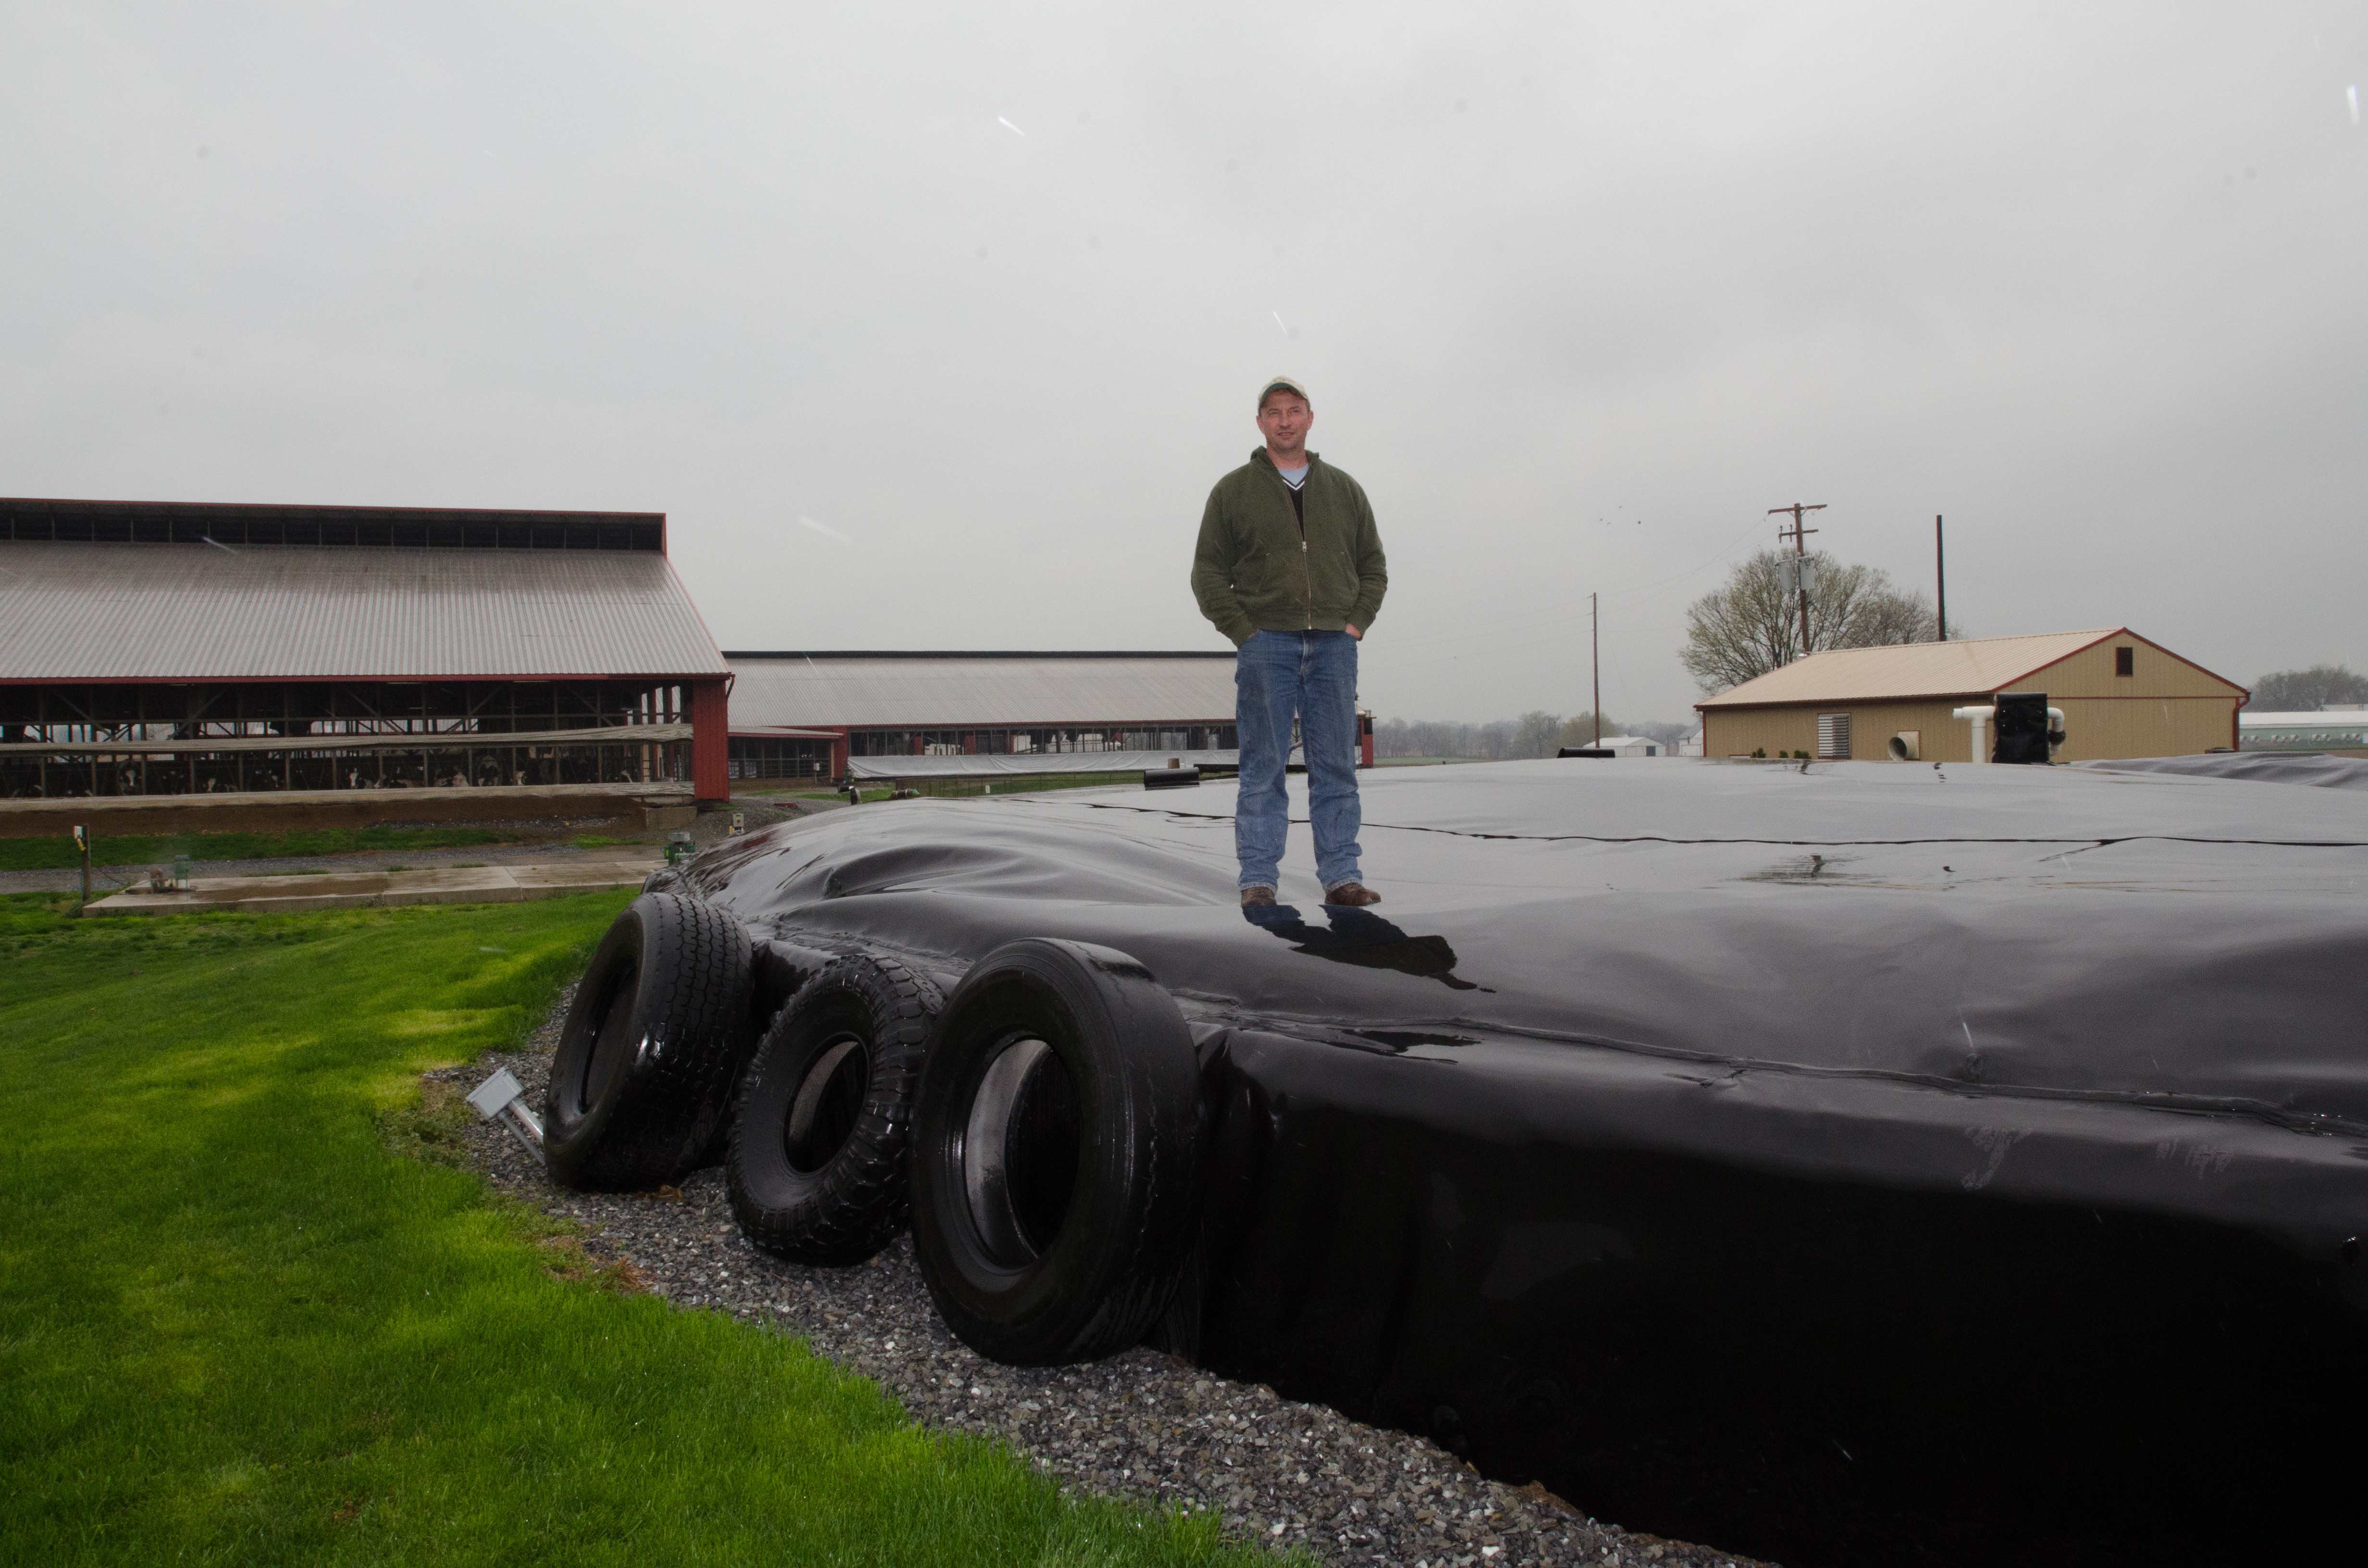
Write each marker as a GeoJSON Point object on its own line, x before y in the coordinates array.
{"type": "Point", "coordinates": [167, 649]}
{"type": "Point", "coordinates": [889, 715]}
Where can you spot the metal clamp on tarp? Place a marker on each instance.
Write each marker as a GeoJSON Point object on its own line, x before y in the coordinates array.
{"type": "Point", "coordinates": [500, 1093]}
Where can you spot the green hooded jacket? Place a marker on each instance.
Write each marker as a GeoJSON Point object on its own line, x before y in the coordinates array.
{"type": "Point", "coordinates": [1254, 570]}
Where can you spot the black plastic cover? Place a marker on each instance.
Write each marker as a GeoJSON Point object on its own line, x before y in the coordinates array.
{"type": "Point", "coordinates": [1970, 1115]}
{"type": "Point", "coordinates": [2262, 766]}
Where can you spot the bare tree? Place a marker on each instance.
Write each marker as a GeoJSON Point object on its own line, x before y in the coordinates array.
{"type": "Point", "coordinates": [1536, 733]}
{"type": "Point", "coordinates": [1425, 737]}
{"type": "Point", "coordinates": [1752, 624]}
{"type": "Point", "coordinates": [2306, 691]}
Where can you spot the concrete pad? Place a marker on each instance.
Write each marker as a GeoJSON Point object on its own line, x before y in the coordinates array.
{"type": "Point", "coordinates": [379, 890]}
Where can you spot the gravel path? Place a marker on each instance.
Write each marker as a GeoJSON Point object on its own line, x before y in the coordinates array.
{"type": "Point", "coordinates": [1140, 1424]}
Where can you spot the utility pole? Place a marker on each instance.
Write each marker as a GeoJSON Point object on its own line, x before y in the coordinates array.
{"type": "Point", "coordinates": [1939, 584]}
{"type": "Point", "coordinates": [1595, 637]}
{"type": "Point", "coordinates": [1797, 533]}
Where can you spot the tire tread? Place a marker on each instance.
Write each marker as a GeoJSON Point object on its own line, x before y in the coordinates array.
{"type": "Point", "coordinates": [859, 1200]}
{"type": "Point", "coordinates": [696, 964]}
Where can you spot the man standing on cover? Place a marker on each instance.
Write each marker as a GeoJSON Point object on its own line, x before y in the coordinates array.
{"type": "Point", "coordinates": [1289, 566]}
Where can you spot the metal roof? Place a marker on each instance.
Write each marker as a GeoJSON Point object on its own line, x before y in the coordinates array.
{"type": "Point", "coordinates": [191, 612]}
{"type": "Point", "coordinates": [1975, 667]}
{"type": "Point", "coordinates": [2321, 718]}
{"type": "Point", "coordinates": [977, 654]}
{"type": "Point", "coordinates": [395, 527]}
{"type": "Point", "coordinates": [950, 690]}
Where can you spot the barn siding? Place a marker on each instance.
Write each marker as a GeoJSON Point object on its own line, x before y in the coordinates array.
{"type": "Point", "coordinates": [1732, 732]}
{"type": "Point", "coordinates": [2094, 727]}
{"type": "Point", "coordinates": [2159, 674]}
{"type": "Point", "coordinates": [2169, 726]}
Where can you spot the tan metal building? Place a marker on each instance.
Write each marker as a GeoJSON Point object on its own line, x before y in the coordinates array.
{"type": "Point", "coordinates": [2121, 696]}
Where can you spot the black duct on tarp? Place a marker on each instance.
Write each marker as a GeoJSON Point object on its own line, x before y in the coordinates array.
{"type": "Point", "coordinates": [1825, 1162]}
{"type": "Point", "coordinates": [2020, 729]}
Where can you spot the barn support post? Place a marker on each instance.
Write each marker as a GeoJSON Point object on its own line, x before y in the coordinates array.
{"type": "Point", "coordinates": [710, 744]}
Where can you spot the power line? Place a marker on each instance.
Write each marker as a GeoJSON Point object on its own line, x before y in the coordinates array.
{"type": "Point", "coordinates": [1797, 533]}
{"type": "Point", "coordinates": [1595, 634]}
{"type": "Point", "coordinates": [1939, 584]}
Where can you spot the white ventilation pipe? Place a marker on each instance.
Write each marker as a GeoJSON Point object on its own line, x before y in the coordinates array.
{"type": "Point", "coordinates": [1980, 719]}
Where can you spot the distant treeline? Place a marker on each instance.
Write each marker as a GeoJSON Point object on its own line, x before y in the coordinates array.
{"type": "Point", "coordinates": [1534, 733]}
{"type": "Point", "coordinates": [2306, 691]}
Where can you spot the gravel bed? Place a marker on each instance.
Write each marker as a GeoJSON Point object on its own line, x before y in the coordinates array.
{"type": "Point", "coordinates": [1139, 1425]}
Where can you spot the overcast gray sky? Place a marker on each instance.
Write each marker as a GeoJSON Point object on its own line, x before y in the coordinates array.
{"type": "Point", "coordinates": [933, 327]}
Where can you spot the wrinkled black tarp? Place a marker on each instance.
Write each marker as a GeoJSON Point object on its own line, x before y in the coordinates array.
{"type": "Point", "coordinates": [1959, 1113]}
{"type": "Point", "coordinates": [2263, 767]}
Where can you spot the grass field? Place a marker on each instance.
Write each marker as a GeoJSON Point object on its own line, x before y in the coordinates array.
{"type": "Point", "coordinates": [58, 853]}
{"type": "Point", "coordinates": [238, 1326]}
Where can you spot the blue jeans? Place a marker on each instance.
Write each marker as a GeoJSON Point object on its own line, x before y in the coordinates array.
{"type": "Point", "coordinates": [1314, 676]}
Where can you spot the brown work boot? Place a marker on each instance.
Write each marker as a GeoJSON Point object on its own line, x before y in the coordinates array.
{"type": "Point", "coordinates": [1258, 898]}
{"type": "Point", "coordinates": [1352, 893]}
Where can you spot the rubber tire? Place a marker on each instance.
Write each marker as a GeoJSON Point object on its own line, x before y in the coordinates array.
{"type": "Point", "coordinates": [1110, 1264]}
{"type": "Point", "coordinates": [644, 1071]}
{"type": "Point", "coordinates": [853, 1201]}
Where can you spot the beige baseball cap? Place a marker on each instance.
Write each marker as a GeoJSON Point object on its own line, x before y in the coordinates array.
{"type": "Point", "coordinates": [1291, 383]}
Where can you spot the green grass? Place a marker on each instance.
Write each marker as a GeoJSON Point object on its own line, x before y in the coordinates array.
{"type": "Point", "coordinates": [237, 1326]}
{"type": "Point", "coordinates": [58, 853]}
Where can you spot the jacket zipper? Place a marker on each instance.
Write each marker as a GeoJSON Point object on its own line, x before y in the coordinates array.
{"type": "Point", "coordinates": [1306, 570]}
